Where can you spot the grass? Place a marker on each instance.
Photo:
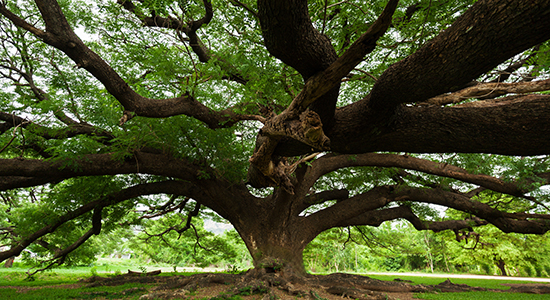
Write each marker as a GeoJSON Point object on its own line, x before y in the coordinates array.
{"type": "Point", "coordinates": [481, 295]}
{"type": "Point", "coordinates": [126, 291]}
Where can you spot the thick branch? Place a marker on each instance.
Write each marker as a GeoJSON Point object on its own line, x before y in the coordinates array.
{"type": "Point", "coordinates": [350, 208]}
{"type": "Point", "coordinates": [102, 164]}
{"type": "Point", "coordinates": [330, 163]}
{"type": "Point", "coordinates": [14, 182]}
{"type": "Point", "coordinates": [60, 35]}
{"type": "Point", "coordinates": [377, 217]}
{"type": "Point", "coordinates": [507, 222]}
{"type": "Point", "coordinates": [484, 89]}
{"type": "Point", "coordinates": [322, 197]}
{"type": "Point", "coordinates": [290, 36]}
{"type": "Point", "coordinates": [515, 125]}
{"type": "Point", "coordinates": [324, 81]}
{"type": "Point", "coordinates": [489, 33]}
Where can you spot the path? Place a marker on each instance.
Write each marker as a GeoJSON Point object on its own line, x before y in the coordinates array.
{"type": "Point", "coordinates": [469, 276]}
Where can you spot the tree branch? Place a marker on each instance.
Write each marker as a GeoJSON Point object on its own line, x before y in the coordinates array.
{"type": "Point", "coordinates": [484, 89]}
{"type": "Point", "coordinates": [502, 127]}
{"type": "Point", "coordinates": [71, 130]}
{"type": "Point", "coordinates": [350, 208]}
{"type": "Point", "coordinates": [330, 163]}
{"type": "Point", "coordinates": [60, 35]}
{"type": "Point", "coordinates": [322, 197]}
{"type": "Point", "coordinates": [190, 29]}
{"type": "Point", "coordinates": [377, 217]}
{"type": "Point", "coordinates": [295, 121]}
{"type": "Point", "coordinates": [17, 21]}
{"type": "Point", "coordinates": [507, 222]}
{"type": "Point", "coordinates": [61, 254]}
{"type": "Point", "coordinates": [103, 164]}
{"type": "Point", "coordinates": [324, 81]}
{"type": "Point", "coordinates": [437, 68]}
{"type": "Point", "coordinates": [13, 182]}
{"type": "Point", "coordinates": [108, 200]}
{"type": "Point", "coordinates": [246, 7]}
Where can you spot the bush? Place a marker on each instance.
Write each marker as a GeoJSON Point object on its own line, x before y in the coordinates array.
{"type": "Point", "coordinates": [393, 263]}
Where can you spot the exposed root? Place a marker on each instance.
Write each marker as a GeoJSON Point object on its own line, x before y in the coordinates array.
{"type": "Point", "coordinates": [266, 286]}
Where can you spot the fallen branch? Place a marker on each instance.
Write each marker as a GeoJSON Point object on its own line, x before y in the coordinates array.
{"type": "Point", "coordinates": [151, 273]}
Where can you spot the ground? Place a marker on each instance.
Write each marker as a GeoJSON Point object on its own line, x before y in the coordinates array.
{"type": "Point", "coordinates": [267, 286]}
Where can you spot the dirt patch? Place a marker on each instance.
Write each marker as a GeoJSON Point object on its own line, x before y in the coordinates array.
{"type": "Point", "coordinates": [22, 289]}
{"type": "Point", "coordinates": [528, 288]}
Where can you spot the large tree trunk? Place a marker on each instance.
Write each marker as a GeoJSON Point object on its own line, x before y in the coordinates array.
{"type": "Point", "coordinates": [275, 234]}
{"type": "Point", "coordinates": [277, 250]}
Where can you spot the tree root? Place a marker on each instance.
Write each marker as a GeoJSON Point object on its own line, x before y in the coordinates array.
{"type": "Point", "coordinates": [275, 286]}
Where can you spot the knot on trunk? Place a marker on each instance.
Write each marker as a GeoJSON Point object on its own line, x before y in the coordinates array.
{"type": "Point", "coordinates": [312, 129]}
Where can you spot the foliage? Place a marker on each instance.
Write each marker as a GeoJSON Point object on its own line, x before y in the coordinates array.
{"type": "Point", "coordinates": [195, 246]}
{"type": "Point", "coordinates": [391, 247]}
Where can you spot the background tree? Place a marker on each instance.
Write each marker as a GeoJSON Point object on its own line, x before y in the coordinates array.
{"type": "Point", "coordinates": [197, 99]}
{"type": "Point", "coordinates": [195, 246]}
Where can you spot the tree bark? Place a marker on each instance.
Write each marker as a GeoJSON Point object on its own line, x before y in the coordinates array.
{"type": "Point", "coordinates": [501, 127]}
{"type": "Point", "coordinates": [501, 266]}
{"type": "Point", "coordinates": [464, 51]}
{"type": "Point", "coordinates": [9, 262]}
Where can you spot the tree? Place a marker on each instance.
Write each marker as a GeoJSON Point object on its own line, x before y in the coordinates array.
{"type": "Point", "coordinates": [321, 103]}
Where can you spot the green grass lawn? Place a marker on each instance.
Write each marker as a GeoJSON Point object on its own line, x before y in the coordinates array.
{"type": "Point", "coordinates": [484, 283]}
{"type": "Point", "coordinates": [482, 296]}
{"type": "Point", "coordinates": [126, 291]}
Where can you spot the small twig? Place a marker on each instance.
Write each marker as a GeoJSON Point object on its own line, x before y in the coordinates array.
{"type": "Point", "coordinates": [250, 10]}
{"type": "Point", "coordinates": [324, 17]}
{"type": "Point", "coordinates": [14, 134]}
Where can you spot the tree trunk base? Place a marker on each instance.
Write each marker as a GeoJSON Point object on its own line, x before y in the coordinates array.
{"type": "Point", "coordinates": [276, 286]}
